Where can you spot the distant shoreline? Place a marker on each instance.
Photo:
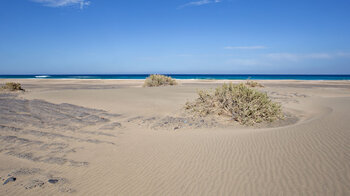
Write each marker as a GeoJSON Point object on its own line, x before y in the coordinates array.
{"type": "Point", "coordinates": [182, 76]}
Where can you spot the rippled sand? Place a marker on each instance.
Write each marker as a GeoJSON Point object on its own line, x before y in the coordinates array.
{"type": "Point", "coordinates": [113, 137]}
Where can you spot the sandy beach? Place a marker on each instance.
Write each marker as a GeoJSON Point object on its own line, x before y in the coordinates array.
{"type": "Point", "coordinates": [114, 137]}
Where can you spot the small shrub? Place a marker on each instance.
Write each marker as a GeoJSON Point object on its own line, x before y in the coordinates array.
{"type": "Point", "coordinates": [12, 86]}
{"type": "Point", "coordinates": [253, 84]}
{"type": "Point", "coordinates": [159, 80]}
{"type": "Point", "coordinates": [243, 104]}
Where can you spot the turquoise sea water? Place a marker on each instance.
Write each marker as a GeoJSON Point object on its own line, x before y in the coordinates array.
{"type": "Point", "coordinates": [185, 76]}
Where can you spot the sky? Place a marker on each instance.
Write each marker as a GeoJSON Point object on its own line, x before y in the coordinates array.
{"type": "Point", "coordinates": [175, 36]}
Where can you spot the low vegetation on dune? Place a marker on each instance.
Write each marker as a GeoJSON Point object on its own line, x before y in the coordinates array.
{"type": "Point", "coordinates": [159, 80]}
{"type": "Point", "coordinates": [239, 102]}
{"type": "Point", "coordinates": [12, 86]}
{"type": "Point", "coordinates": [253, 84]}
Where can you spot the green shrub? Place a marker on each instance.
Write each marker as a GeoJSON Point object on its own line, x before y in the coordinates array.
{"type": "Point", "coordinates": [253, 84]}
{"type": "Point", "coordinates": [159, 80]}
{"type": "Point", "coordinates": [239, 102]}
{"type": "Point", "coordinates": [12, 86]}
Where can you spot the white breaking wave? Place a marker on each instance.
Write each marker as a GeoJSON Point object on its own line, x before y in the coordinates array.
{"type": "Point", "coordinates": [42, 76]}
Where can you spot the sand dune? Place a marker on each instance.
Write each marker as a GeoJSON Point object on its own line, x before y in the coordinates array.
{"type": "Point", "coordinates": [116, 138]}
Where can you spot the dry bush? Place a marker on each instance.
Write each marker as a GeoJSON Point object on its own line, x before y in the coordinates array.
{"type": "Point", "coordinates": [243, 104]}
{"type": "Point", "coordinates": [253, 84]}
{"type": "Point", "coordinates": [12, 86]}
{"type": "Point", "coordinates": [159, 80]}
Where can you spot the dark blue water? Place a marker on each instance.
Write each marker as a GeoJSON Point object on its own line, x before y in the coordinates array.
{"type": "Point", "coordinates": [185, 76]}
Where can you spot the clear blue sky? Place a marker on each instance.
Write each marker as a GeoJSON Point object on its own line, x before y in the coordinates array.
{"type": "Point", "coordinates": [174, 36]}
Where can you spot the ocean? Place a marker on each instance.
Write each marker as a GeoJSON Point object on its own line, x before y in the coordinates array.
{"type": "Point", "coordinates": [184, 76]}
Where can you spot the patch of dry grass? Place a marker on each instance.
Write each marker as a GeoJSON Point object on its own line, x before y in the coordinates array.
{"type": "Point", "coordinates": [253, 84]}
{"type": "Point", "coordinates": [12, 86]}
{"type": "Point", "coordinates": [159, 80]}
{"type": "Point", "coordinates": [239, 102]}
